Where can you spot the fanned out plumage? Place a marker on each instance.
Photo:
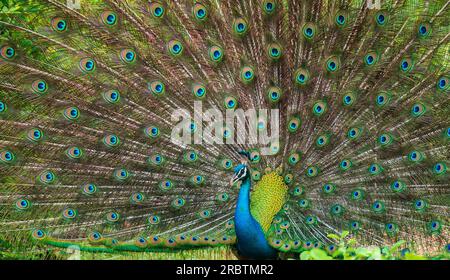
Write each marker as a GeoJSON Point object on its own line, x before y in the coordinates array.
{"type": "Point", "coordinates": [86, 114]}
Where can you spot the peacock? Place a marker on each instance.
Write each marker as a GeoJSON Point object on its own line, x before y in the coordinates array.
{"type": "Point", "coordinates": [102, 145]}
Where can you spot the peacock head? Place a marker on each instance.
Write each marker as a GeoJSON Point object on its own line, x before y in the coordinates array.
{"type": "Point", "coordinates": [240, 173]}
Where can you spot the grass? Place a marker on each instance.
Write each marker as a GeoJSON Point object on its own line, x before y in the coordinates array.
{"type": "Point", "coordinates": [53, 253]}
{"type": "Point", "coordinates": [344, 249]}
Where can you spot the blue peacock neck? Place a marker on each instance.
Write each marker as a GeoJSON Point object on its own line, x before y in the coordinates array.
{"type": "Point", "coordinates": [243, 202]}
{"type": "Point", "coordinates": [251, 241]}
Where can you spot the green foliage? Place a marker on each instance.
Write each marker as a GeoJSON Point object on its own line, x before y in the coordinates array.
{"type": "Point", "coordinates": [15, 12]}
{"type": "Point", "coordinates": [346, 250]}
{"type": "Point", "coordinates": [21, 251]}
{"type": "Point", "coordinates": [43, 252]}
{"type": "Point", "coordinates": [15, 6]}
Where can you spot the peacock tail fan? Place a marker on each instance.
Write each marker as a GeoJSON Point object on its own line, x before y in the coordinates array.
{"type": "Point", "coordinates": [90, 97]}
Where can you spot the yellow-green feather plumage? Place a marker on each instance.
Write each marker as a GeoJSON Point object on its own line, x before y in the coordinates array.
{"type": "Point", "coordinates": [267, 198]}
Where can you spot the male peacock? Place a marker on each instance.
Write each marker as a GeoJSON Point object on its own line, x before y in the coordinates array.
{"type": "Point", "coordinates": [86, 103]}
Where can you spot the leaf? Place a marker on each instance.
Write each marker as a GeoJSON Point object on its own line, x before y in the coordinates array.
{"type": "Point", "coordinates": [411, 256]}
{"type": "Point", "coordinates": [397, 245]}
{"type": "Point", "coordinates": [337, 255]}
{"type": "Point", "coordinates": [344, 234]}
{"type": "Point", "coordinates": [374, 253]}
{"type": "Point", "coordinates": [319, 254]}
{"type": "Point", "coordinates": [340, 252]}
{"type": "Point", "coordinates": [362, 252]}
{"type": "Point", "coordinates": [349, 257]}
{"type": "Point", "coordinates": [351, 242]}
{"type": "Point", "coordinates": [305, 256]}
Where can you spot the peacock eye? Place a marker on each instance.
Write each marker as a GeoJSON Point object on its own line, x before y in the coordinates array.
{"type": "Point", "coordinates": [340, 19]}
{"type": "Point", "coordinates": [230, 102]}
{"type": "Point", "coordinates": [378, 207]}
{"type": "Point", "coordinates": [166, 185]}
{"type": "Point", "coordinates": [418, 110]}
{"type": "Point", "coordinates": [175, 47]}
{"type": "Point", "coordinates": [303, 203]}
{"type": "Point", "coordinates": [87, 65]}
{"type": "Point", "coordinates": [274, 51]}
{"type": "Point", "coordinates": [38, 234]}
{"type": "Point", "coordinates": [371, 58]}
{"type": "Point", "coordinates": [22, 204]}
{"type": "Point", "coordinates": [40, 87]}
{"type": "Point", "coordinates": [89, 189]}
{"type": "Point", "coordinates": [381, 18]}
{"type": "Point", "coordinates": [406, 65]}
{"type": "Point", "coordinates": [269, 7]}
{"type": "Point", "coordinates": [216, 54]}
{"type": "Point", "coordinates": [309, 31]}
{"type": "Point", "coordinates": [443, 83]}
{"type": "Point", "coordinates": [240, 27]}
{"type": "Point", "coordinates": [157, 10]}
{"type": "Point", "coordinates": [127, 56]}
{"type": "Point", "coordinates": [69, 213]}
{"type": "Point", "coordinates": [391, 229]}
{"type": "Point", "coordinates": [301, 76]}
{"type": "Point", "coordinates": [199, 91]}
{"type": "Point", "coordinates": [59, 24]}
{"type": "Point", "coordinates": [247, 74]}
{"type": "Point", "coordinates": [424, 30]}
{"type": "Point", "coordinates": [7, 52]}
{"type": "Point", "coordinates": [109, 18]}
{"type": "Point", "coordinates": [337, 210]}
{"type": "Point", "coordinates": [121, 174]}
{"type": "Point", "coordinates": [3, 107]}
{"type": "Point", "coordinates": [319, 108]}
{"type": "Point", "coordinates": [440, 168]}
{"type": "Point", "coordinates": [348, 99]}
{"type": "Point", "coordinates": [200, 12]}
{"type": "Point", "coordinates": [74, 152]}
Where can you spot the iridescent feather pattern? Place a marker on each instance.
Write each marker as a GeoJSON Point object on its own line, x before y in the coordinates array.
{"type": "Point", "coordinates": [87, 99]}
